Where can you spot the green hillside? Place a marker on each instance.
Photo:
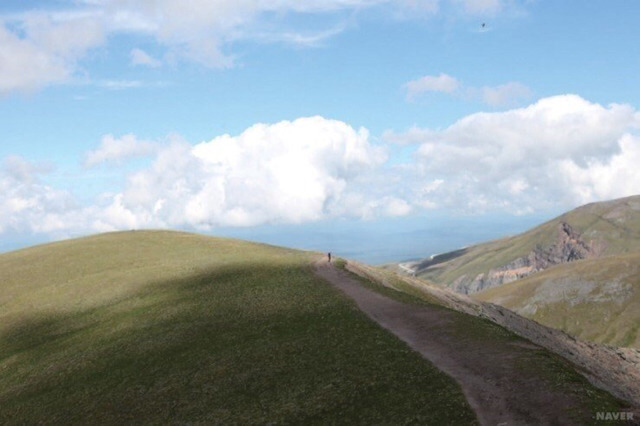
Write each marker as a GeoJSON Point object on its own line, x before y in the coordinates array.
{"type": "Point", "coordinates": [594, 299]}
{"type": "Point", "coordinates": [164, 327]}
{"type": "Point", "coordinates": [611, 227]}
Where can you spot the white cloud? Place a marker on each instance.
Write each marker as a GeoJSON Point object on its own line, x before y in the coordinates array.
{"type": "Point", "coordinates": [296, 38]}
{"type": "Point", "coordinates": [501, 95]}
{"type": "Point", "coordinates": [562, 150]}
{"type": "Point", "coordinates": [607, 177]}
{"type": "Point", "coordinates": [43, 48]}
{"type": "Point", "coordinates": [200, 30]}
{"type": "Point", "coordinates": [288, 172]}
{"type": "Point", "coordinates": [140, 57]}
{"type": "Point", "coordinates": [28, 205]}
{"type": "Point", "coordinates": [441, 83]}
{"type": "Point", "coordinates": [115, 150]}
{"type": "Point", "coordinates": [43, 52]}
{"type": "Point", "coordinates": [20, 170]}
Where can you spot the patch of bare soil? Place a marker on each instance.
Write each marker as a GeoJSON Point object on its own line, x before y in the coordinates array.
{"type": "Point", "coordinates": [495, 384]}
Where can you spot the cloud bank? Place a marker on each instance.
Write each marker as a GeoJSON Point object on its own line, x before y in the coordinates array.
{"type": "Point", "coordinates": [288, 172]}
{"type": "Point", "coordinates": [559, 152]}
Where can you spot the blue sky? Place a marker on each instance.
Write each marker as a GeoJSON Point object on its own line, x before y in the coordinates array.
{"type": "Point", "coordinates": [344, 125]}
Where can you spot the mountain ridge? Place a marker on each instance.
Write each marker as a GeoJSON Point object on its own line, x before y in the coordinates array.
{"type": "Point", "coordinates": [590, 231]}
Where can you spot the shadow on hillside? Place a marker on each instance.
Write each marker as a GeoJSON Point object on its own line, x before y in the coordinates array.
{"type": "Point", "coordinates": [170, 348]}
{"type": "Point", "coordinates": [235, 345]}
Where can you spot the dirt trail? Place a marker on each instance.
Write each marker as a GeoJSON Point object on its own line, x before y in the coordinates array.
{"type": "Point", "coordinates": [499, 391]}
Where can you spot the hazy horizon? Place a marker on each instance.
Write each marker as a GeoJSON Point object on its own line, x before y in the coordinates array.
{"type": "Point", "coordinates": [372, 242]}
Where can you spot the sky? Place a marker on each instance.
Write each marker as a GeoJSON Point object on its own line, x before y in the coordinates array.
{"type": "Point", "coordinates": [381, 130]}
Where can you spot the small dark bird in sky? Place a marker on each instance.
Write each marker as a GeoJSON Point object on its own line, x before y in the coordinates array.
{"type": "Point", "coordinates": [484, 25]}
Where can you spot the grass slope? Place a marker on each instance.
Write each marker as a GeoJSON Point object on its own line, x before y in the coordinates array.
{"type": "Point", "coordinates": [595, 299]}
{"type": "Point", "coordinates": [160, 327]}
{"type": "Point", "coordinates": [616, 224]}
{"type": "Point", "coordinates": [470, 331]}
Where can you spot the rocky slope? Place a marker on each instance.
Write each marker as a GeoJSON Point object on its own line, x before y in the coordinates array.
{"type": "Point", "coordinates": [590, 231]}
{"type": "Point", "coordinates": [568, 247]}
{"type": "Point", "coordinates": [596, 299]}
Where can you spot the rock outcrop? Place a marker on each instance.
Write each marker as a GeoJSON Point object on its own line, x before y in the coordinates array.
{"type": "Point", "coordinates": [568, 247]}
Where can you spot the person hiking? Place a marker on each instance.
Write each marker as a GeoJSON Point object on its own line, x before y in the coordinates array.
{"type": "Point", "coordinates": [329, 256]}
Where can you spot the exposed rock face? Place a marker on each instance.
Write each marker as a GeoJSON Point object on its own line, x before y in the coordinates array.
{"type": "Point", "coordinates": [569, 246]}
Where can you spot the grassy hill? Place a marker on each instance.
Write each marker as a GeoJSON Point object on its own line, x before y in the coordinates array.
{"type": "Point", "coordinates": [610, 228]}
{"type": "Point", "coordinates": [165, 327]}
{"type": "Point", "coordinates": [593, 299]}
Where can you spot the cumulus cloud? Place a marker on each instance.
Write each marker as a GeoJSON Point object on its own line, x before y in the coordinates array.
{"type": "Point", "coordinates": [562, 150]}
{"type": "Point", "coordinates": [606, 177]}
{"type": "Point", "coordinates": [288, 172]}
{"type": "Point", "coordinates": [116, 150]}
